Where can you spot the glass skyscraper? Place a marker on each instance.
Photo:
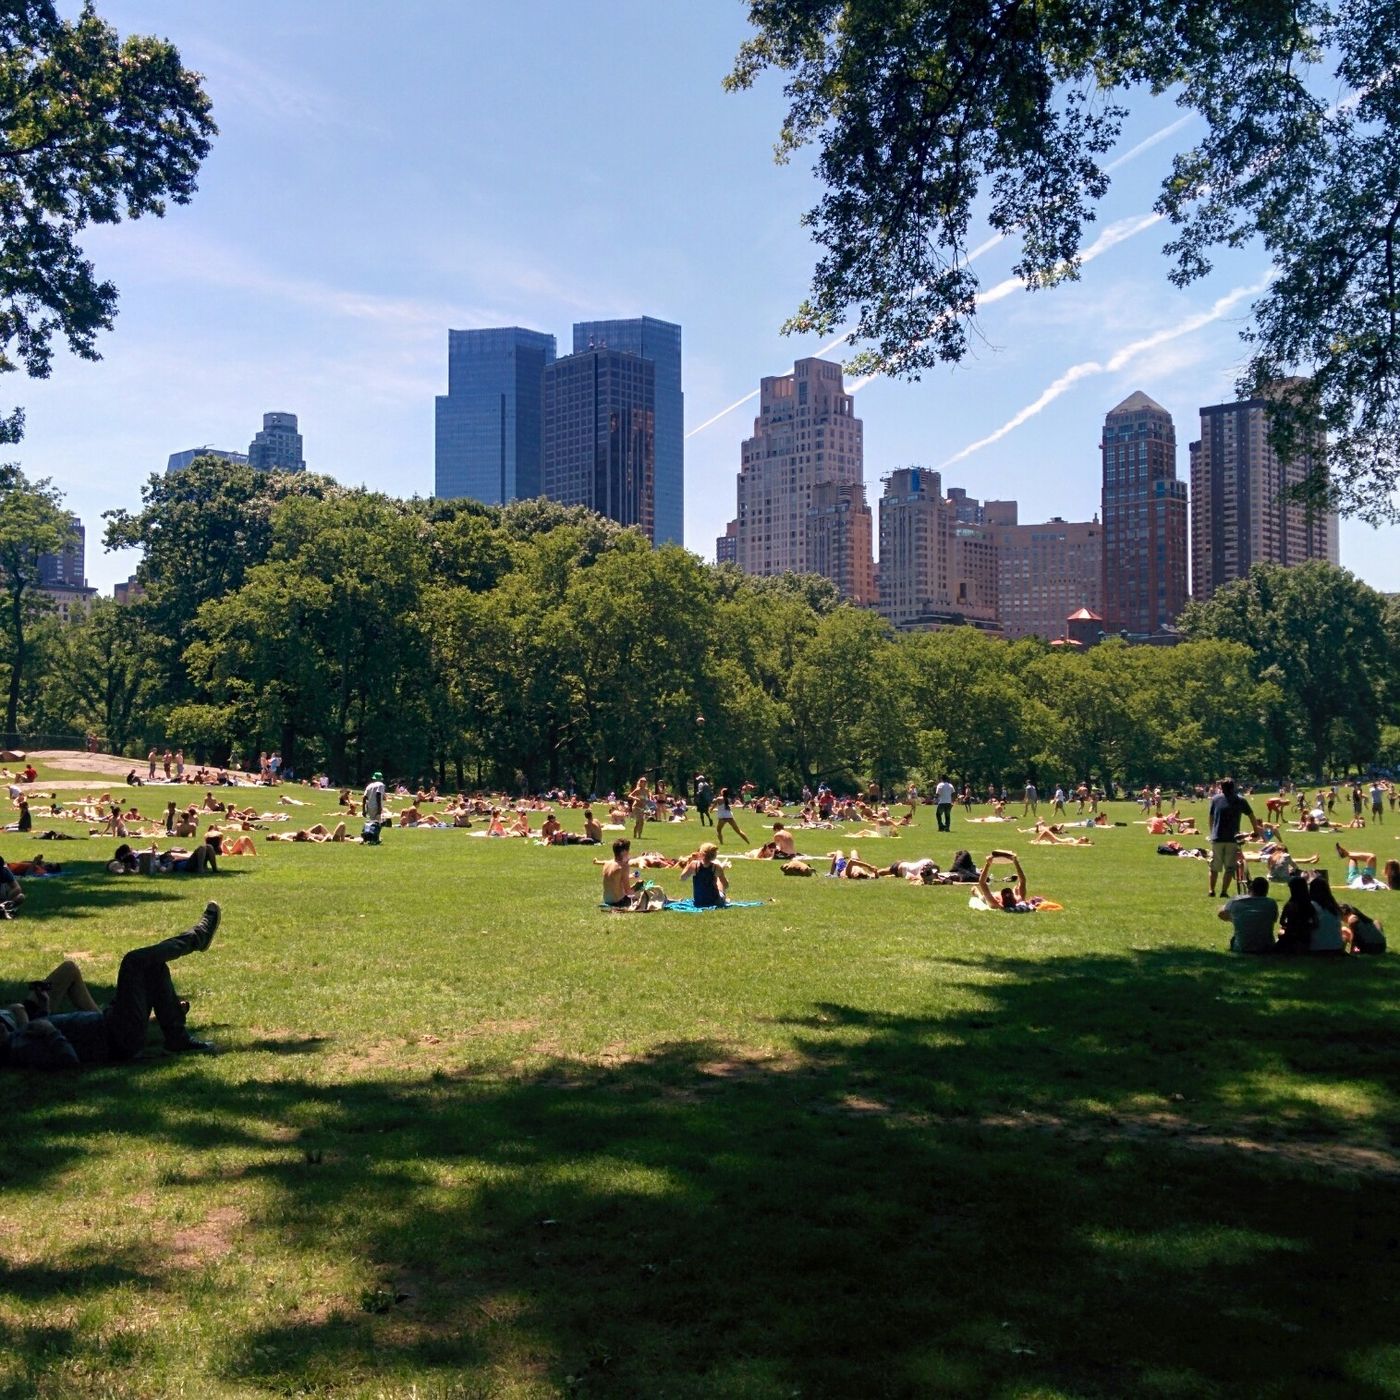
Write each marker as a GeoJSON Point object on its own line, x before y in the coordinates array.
{"type": "Point", "coordinates": [659, 342]}
{"type": "Point", "coordinates": [490, 423]}
{"type": "Point", "coordinates": [599, 448]}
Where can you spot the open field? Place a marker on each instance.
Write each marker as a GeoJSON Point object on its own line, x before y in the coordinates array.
{"type": "Point", "coordinates": [472, 1136]}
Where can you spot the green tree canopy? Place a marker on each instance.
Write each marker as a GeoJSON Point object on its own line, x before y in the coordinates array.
{"type": "Point", "coordinates": [1317, 634]}
{"type": "Point", "coordinates": [32, 522]}
{"type": "Point", "coordinates": [925, 111]}
{"type": "Point", "coordinates": [93, 129]}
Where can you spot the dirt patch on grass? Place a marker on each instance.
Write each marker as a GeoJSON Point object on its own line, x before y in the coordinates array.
{"type": "Point", "coordinates": [744, 1064]}
{"type": "Point", "coordinates": [211, 1239]}
{"type": "Point", "coordinates": [1333, 1155]}
{"type": "Point", "coordinates": [104, 765]}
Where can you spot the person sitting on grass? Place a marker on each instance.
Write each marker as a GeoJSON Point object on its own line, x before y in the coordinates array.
{"type": "Point", "coordinates": [1362, 934]}
{"type": "Point", "coordinates": [11, 895]}
{"type": "Point", "coordinates": [708, 885]}
{"type": "Point", "coordinates": [592, 831]}
{"type": "Point", "coordinates": [1390, 875]}
{"type": "Point", "coordinates": [1327, 938]}
{"type": "Point", "coordinates": [1014, 898]}
{"type": "Point", "coordinates": [35, 1036]}
{"type": "Point", "coordinates": [1252, 916]}
{"type": "Point", "coordinates": [780, 847]}
{"type": "Point", "coordinates": [618, 885]}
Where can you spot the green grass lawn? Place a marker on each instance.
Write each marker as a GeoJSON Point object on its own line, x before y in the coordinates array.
{"type": "Point", "coordinates": [472, 1136]}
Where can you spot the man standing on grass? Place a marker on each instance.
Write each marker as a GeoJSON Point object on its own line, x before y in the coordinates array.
{"type": "Point", "coordinates": [1227, 809]}
{"type": "Point", "coordinates": [373, 809]}
{"type": "Point", "coordinates": [943, 804]}
{"type": "Point", "coordinates": [1032, 802]}
{"type": "Point", "coordinates": [704, 797]}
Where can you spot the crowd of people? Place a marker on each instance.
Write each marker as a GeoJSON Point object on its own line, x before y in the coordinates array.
{"type": "Point", "coordinates": [1310, 920]}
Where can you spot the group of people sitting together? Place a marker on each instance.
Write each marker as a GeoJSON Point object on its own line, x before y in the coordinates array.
{"type": "Point", "coordinates": [1311, 921]}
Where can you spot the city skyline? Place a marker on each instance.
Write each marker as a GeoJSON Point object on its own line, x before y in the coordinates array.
{"type": "Point", "coordinates": [361, 288]}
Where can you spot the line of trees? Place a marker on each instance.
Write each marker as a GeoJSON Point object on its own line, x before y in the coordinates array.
{"type": "Point", "coordinates": [536, 644]}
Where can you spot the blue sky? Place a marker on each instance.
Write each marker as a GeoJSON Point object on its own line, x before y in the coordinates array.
{"type": "Point", "coordinates": [383, 173]}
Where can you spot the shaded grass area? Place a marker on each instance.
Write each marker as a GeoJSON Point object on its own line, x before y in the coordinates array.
{"type": "Point", "coordinates": [473, 1137]}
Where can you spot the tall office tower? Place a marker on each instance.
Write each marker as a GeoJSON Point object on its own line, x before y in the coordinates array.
{"type": "Point", "coordinates": [178, 461]}
{"type": "Point", "coordinates": [600, 435]}
{"type": "Point", "coordinates": [839, 539]}
{"type": "Point", "coordinates": [935, 569]}
{"type": "Point", "coordinates": [727, 545]}
{"type": "Point", "coordinates": [278, 446]}
{"type": "Point", "coordinates": [1241, 512]}
{"type": "Point", "coordinates": [806, 432]}
{"type": "Point", "coordinates": [659, 342]}
{"type": "Point", "coordinates": [490, 423]}
{"type": "Point", "coordinates": [1045, 572]}
{"type": "Point", "coordinates": [1144, 520]}
{"type": "Point", "coordinates": [67, 567]}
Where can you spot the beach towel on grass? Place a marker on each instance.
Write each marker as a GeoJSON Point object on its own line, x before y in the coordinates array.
{"type": "Point", "coordinates": [1046, 906]}
{"type": "Point", "coordinates": [688, 906]}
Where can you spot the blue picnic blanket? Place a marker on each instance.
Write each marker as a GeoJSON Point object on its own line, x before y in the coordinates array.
{"type": "Point", "coordinates": [688, 906]}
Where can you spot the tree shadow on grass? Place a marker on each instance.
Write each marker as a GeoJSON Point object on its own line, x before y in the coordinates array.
{"type": "Point", "coordinates": [86, 889]}
{"type": "Point", "coordinates": [888, 1205]}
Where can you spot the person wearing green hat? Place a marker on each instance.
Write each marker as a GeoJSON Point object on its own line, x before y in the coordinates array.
{"type": "Point", "coordinates": [373, 809]}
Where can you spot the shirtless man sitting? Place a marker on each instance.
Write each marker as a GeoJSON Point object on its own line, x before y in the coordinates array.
{"type": "Point", "coordinates": [618, 884]}
{"type": "Point", "coordinates": [781, 847]}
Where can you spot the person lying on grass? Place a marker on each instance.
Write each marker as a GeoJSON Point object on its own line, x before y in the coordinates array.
{"type": "Point", "coordinates": [33, 1035]}
{"type": "Point", "coordinates": [37, 866]}
{"type": "Point", "coordinates": [1014, 898]}
{"type": "Point", "coordinates": [317, 833]}
{"type": "Point", "coordinates": [648, 860]}
{"type": "Point", "coordinates": [1360, 864]}
{"type": "Point", "coordinates": [228, 844]}
{"type": "Point", "coordinates": [852, 867]}
{"type": "Point", "coordinates": [1283, 864]}
{"type": "Point", "coordinates": [1047, 835]}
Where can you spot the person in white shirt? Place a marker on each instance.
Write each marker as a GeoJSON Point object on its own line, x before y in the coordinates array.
{"type": "Point", "coordinates": [943, 803]}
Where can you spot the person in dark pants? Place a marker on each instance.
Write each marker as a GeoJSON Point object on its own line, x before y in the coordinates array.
{"type": "Point", "coordinates": [943, 803]}
{"type": "Point", "coordinates": [116, 1032]}
{"type": "Point", "coordinates": [704, 798]}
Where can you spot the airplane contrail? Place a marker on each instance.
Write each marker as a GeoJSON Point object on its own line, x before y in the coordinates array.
{"type": "Point", "coordinates": [1113, 235]}
{"type": "Point", "coordinates": [1088, 368]}
{"type": "Point", "coordinates": [983, 248]}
